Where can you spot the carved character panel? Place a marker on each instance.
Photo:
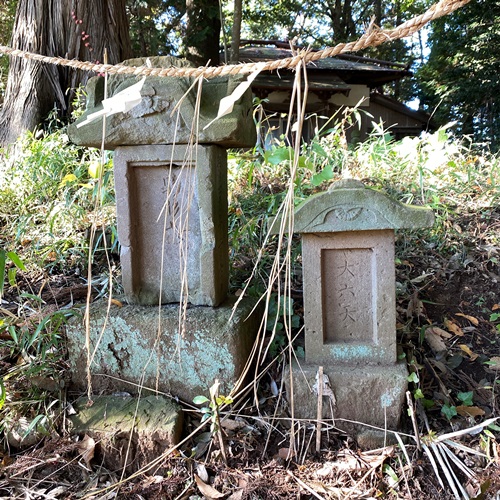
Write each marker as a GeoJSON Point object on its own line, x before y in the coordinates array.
{"type": "Point", "coordinates": [349, 295]}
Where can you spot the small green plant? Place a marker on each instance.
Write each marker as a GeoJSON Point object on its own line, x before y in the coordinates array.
{"type": "Point", "coordinates": [29, 391]}
{"type": "Point", "coordinates": [211, 410]}
{"type": "Point", "coordinates": [49, 188]}
{"type": "Point", "coordinates": [11, 272]}
{"type": "Point", "coordinates": [450, 411]}
{"type": "Point", "coordinates": [494, 317]}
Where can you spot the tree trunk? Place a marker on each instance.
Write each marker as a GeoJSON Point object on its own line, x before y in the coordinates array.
{"type": "Point", "coordinates": [236, 31]}
{"type": "Point", "coordinates": [67, 28]}
{"type": "Point", "coordinates": [202, 32]}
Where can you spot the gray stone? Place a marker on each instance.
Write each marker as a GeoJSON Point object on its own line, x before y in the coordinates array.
{"type": "Point", "coordinates": [156, 120]}
{"type": "Point", "coordinates": [129, 432]}
{"type": "Point", "coordinates": [373, 395]}
{"type": "Point", "coordinates": [350, 206]}
{"type": "Point", "coordinates": [349, 297]}
{"type": "Point", "coordinates": [172, 204]}
{"type": "Point", "coordinates": [184, 351]}
{"type": "Point", "coordinates": [349, 306]}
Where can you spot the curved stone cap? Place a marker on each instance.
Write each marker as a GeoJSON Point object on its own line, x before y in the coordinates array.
{"type": "Point", "coordinates": [350, 206]}
{"type": "Point", "coordinates": [155, 119]}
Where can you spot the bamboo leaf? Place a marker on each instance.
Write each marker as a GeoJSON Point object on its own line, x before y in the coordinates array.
{"type": "Point", "coordinates": [2, 270]}
{"type": "Point", "coordinates": [16, 260]}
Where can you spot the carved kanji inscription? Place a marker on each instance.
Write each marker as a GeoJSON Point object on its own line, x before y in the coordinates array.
{"type": "Point", "coordinates": [348, 295]}
{"type": "Point", "coordinates": [168, 202]}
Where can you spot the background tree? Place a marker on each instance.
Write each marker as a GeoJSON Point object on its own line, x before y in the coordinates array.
{"type": "Point", "coordinates": [7, 13]}
{"type": "Point", "coordinates": [79, 29]}
{"type": "Point", "coordinates": [202, 36]}
{"type": "Point", "coordinates": [460, 81]}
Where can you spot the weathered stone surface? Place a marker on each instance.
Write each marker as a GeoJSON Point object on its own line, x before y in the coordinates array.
{"type": "Point", "coordinates": [156, 120]}
{"type": "Point", "coordinates": [185, 355]}
{"type": "Point", "coordinates": [350, 206]}
{"type": "Point", "coordinates": [349, 297]}
{"type": "Point", "coordinates": [146, 428]}
{"type": "Point", "coordinates": [172, 204]}
{"type": "Point", "coordinates": [349, 306]}
{"type": "Point", "coordinates": [372, 395]}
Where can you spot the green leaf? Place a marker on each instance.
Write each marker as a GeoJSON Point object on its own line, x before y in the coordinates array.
{"type": "Point", "coordinates": [427, 403]}
{"type": "Point", "coordinates": [413, 377]}
{"type": "Point", "coordinates": [449, 411]}
{"type": "Point", "coordinates": [325, 175]}
{"type": "Point", "coordinates": [95, 169]}
{"type": "Point", "coordinates": [306, 163]}
{"type": "Point", "coordinates": [11, 273]}
{"type": "Point", "coordinates": [16, 260]}
{"type": "Point", "coordinates": [494, 427]}
{"type": "Point", "coordinates": [418, 394]}
{"type": "Point", "coordinates": [2, 270]}
{"type": "Point", "coordinates": [390, 472]}
{"type": "Point", "coordinates": [318, 149]}
{"type": "Point", "coordinates": [31, 296]}
{"type": "Point", "coordinates": [199, 400]}
{"type": "Point", "coordinates": [466, 397]}
{"type": "Point", "coordinates": [278, 155]}
{"type": "Point", "coordinates": [3, 393]}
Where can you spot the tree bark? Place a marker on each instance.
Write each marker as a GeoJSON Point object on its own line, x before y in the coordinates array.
{"type": "Point", "coordinates": [236, 31]}
{"type": "Point", "coordinates": [79, 29]}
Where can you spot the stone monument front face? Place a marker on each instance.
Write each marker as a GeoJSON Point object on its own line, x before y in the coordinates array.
{"type": "Point", "coordinates": [172, 223]}
{"type": "Point", "coordinates": [349, 294]}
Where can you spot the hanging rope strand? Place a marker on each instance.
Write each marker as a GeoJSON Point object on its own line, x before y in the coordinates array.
{"type": "Point", "coordinates": [372, 38]}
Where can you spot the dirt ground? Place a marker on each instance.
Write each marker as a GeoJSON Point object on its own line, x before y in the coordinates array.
{"type": "Point", "coordinates": [448, 326]}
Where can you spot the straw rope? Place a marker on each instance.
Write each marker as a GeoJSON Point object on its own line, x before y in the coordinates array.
{"type": "Point", "coordinates": [372, 38]}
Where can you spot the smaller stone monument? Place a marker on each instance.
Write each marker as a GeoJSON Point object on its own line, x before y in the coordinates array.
{"type": "Point", "coordinates": [349, 306]}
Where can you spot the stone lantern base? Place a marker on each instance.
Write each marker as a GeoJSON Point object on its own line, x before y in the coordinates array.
{"type": "Point", "coordinates": [368, 402]}
{"type": "Point", "coordinates": [144, 345]}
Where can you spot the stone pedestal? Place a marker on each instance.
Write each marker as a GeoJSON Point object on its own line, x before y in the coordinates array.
{"type": "Point", "coordinates": [171, 205]}
{"type": "Point", "coordinates": [349, 306]}
{"type": "Point", "coordinates": [141, 344]}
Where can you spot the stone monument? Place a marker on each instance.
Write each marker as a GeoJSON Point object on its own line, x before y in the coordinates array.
{"type": "Point", "coordinates": [349, 307]}
{"type": "Point", "coordinates": [171, 190]}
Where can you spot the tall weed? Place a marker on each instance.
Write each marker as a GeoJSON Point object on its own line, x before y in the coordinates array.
{"type": "Point", "coordinates": [47, 188]}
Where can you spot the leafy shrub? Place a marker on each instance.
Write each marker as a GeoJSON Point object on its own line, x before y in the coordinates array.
{"type": "Point", "coordinates": [48, 193]}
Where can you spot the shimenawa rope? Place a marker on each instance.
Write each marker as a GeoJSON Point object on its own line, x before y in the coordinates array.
{"type": "Point", "coordinates": [372, 38]}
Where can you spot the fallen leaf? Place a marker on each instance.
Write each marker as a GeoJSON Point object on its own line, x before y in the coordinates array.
{"type": "Point", "coordinates": [434, 341]}
{"type": "Point", "coordinates": [86, 448]}
{"type": "Point", "coordinates": [473, 320]}
{"type": "Point", "coordinates": [494, 363]}
{"type": "Point", "coordinates": [202, 472]}
{"type": "Point", "coordinates": [237, 495]}
{"type": "Point", "coordinates": [206, 489]}
{"type": "Point", "coordinates": [452, 327]}
{"type": "Point", "coordinates": [286, 453]}
{"type": "Point", "coordinates": [495, 307]}
{"type": "Point", "coordinates": [116, 302]}
{"type": "Point", "coordinates": [469, 353]}
{"type": "Point", "coordinates": [440, 332]}
{"type": "Point", "coordinates": [233, 425]}
{"type": "Point", "coordinates": [470, 411]}
{"type": "Point", "coordinates": [415, 307]}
